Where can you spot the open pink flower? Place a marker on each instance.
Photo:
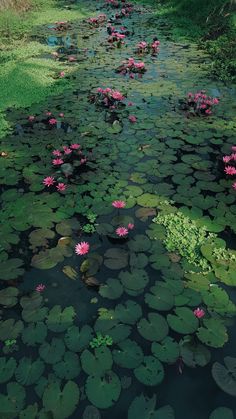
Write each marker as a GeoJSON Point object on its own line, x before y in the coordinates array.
{"type": "Point", "coordinates": [82, 248]}
{"type": "Point", "coordinates": [75, 146]}
{"type": "Point", "coordinates": [67, 150]}
{"type": "Point", "coordinates": [208, 112]}
{"type": "Point", "coordinates": [118, 204]}
{"type": "Point", "coordinates": [62, 74]}
{"type": "Point", "coordinates": [122, 231]}
{"type": "Point", "coordinates": [117, 95]}
{"type": "Point", "coordinates": [48, 113]}
{"type": "Point", "coordinates": [61, 115]}
{"type": "Point", "coordinates": [130, 226]}
{"type": "Point", "coordinates": [230, 170]}
{"type": "Point", "coordinates": [83, 161]}
{"type": "Point", "coordinates": [31, 118]}
{"type": "Point", "coordinates": [233, 148]}
{"type": "Point", "coordinates": [226, 159]}
{"type": "Point", "coordinates": [61, 187]}
{"type": "Point", "coordinates": [132, 118]}
{"type": "Point", "coordinates": [199, 313]}
{"type": "Point", "coordinates": [48, 181]}
{"type": "Point", "coordinates": [57, 162]}
{"type": "Point", "coordinates": [56, 153]}
{"type": "Point", "coordinates": [234, 185]}
{"type": "Point", "coordinates": [52, 121]}
{"type": "Point", "coordinates": [40, 288]}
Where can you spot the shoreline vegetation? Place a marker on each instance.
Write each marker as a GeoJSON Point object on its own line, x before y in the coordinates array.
{"type": "Point", "coordinates": [26, 76]}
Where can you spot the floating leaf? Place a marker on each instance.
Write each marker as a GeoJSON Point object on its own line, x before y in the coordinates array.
{"type": "Point", "coordinates": [11, 269]}
{"type": "Point", "coordinates": [98, 363]}
{"type": "Point", "coordinates": [155, 328]}
{"type": "Point", "coordinates": [129, 354]}
{"type": "Point", "coordinates": [91, 412]}
{"type": "Point", "coordinates": [135, 280]}
{"type": "Point", "coordinates": [225, 376]}
{"type": "Point", "coordinates": [58, 320]}
{"type": "Point", "coordinates": [69, 367]}
{"type": "Point", "coordinates": [112, 289]}
{"type": "Point", "coordinates": [222, 413]}
{"type": "Point", "coordinates": [116, 258]}
{"type": "Point", "coordinates": [103, 391]}
{"type": "Point", "coordinates": [160, 298]}
{"type": "Point", "coordinates": [10, 329]}
{"type": "Point", "coordinates": [129, 312]}
{"type": "Point", "coordinates": [28, 372]}
{"type": "Point", "coordinates": [148, 200]}
{"type": "Point", "coordinates": [166, 351]}
{"type": "Point", "coordinates": [61, 402]}
{"type": "Point", "coordinates": [52, 352]}
{"type": "Point", "coordinates": [30, 412]}
{"type": "Point", "coordinates": [12, 404]}
{"type": "Point", "coordinates": [140, 243]}
{"type": "Point", "coordinates": [194, 354]}
{"type": "Point", "coordinates": [150, 372]}
{"type": "Point", "coordinates": [7, 368]}
{"type": "Point", "coordinates": [34, 334]}
{"type": "Point", "coordinates": [78, 339]}
{"type": "Point", "coordinates": [184, 321]}
{"type": "Point", "coordinates": [143, 407]}
{"type": "Point", "coordinates": [8, 296]}
{"type": "Point", "coordinates": [214, 333]}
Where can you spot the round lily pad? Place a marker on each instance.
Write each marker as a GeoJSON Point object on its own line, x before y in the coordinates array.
{"type": "Point", "coordinates": [103, 391]}
{"type": "Point", "coordinates": [7, 368]}
{"type": "Point", "coordinates": [61, 402]}
{"type": "Point", "coordinates": [28, 372]}
{"type": "Point", "coordinates": [213, 333]}
{"type": "Point", "coordinates": [129, 354]}
{"type": "Point", "coordinates": [69, 367]}
{"type": "Point", "coordinates": [225, 376]}
{"type": "Point", "coordinates": [129, 312]}
{"type": "Point", "coordinates": [184, 321]}
{"type": "Point", "coordinates": [78, 339]}
{"type": "Point", "coordinates": [222, 413]}
{"type": "Point", "coordinates": [52, 352]}
{"type": "Point", "coordinates": [154, 328]}
{"type": "Point", "coordinates": [159, 298]}
{"type": "Point", "coordinates": [97, 363]}
{"type": "Point", "coordinates": [113, 289]}
{"type": "Point", "coordinates": [166, 351]}
{"type": "Point", "coordinates": [150, 372]}
{"type": "Point", "coordinates": [116, 258]}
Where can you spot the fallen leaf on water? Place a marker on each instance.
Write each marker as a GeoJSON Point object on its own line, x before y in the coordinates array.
{"type": "Point", "coordinates": [70, 272]}
{"type": "Point", "coordinates": [64, 241]}
{"type": "Point", "coordinates": [142, 147]}
{"type": "Point", "coordinates": [91, 281]}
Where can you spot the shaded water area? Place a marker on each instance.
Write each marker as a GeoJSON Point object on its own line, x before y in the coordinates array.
{"type": "Point", "coordinates": [139, 291]}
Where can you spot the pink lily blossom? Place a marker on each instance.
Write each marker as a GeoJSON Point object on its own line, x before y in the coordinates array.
{"type": "Point", "coordinates": [40, 288]}
{"type": "Point", "coordinates": [48, 181]}
{"type": "Point", "coordinates": [82, 248]}
{"type": "Point", "coordinates": [62, 74]}
{"type": "Point", "coordinates": [130, 226]}
{"type": "Point", "coordinates": [132, 118]}
{"type": "Point", "coordinates": [52, 121]}
{"type": "Point", "coordinates": [31, 118]}
{"type": "Point", "coordinates": [57, 162]}
{"type": "Point", "coordinates": [230, 170]}
{"type": "Point", "coordinates": [75, 146]}
{"type": "Point", "coordinates": [234, 185]}
{"type": "Point", "coordinates": [56, 153]}
{"type": "Point", "coordinates": [199, 313]}
{"type": "Point", "coordinates": [61, 115]}
{"type": "Point", "coordinates": [61, 187]}
{"type": "Point", "coordinates": [226, 159]}
{"type": "Point", "coordinates": [122, 231]}
{"type": "Point", "coordinates": [118, 204]}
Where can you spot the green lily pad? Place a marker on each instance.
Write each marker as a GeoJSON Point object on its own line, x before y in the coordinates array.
{"type": "Point", "coordinates": [194, 354]}
{"type": "Point", "coordinates": [150, 372]}
{"type": "Point", "coordinates": [138, 260]}
{"type": "Point", "coordinates": [34, 334]}
{"type": "Point", "coordinates": [7, 368]}
{"type": "Point", "coordinates": [129, 354]}
{"type": "Point", "coordinates": [116, 258]}
{"type": "Point", "coordinates": [112, 289]}
{"type": "Point", "coordinates": [140, 243]}
{"type": "Point", "coordinates": [61, 402]}
{"type": "Point", "coordinates": [11, 269]}
{"type": "Point", "coordinates": [213, 333]}
{"type": "Point", "coordinates": [166, 351]}
{"type": "Point", "coordinates": [59, 320]}
{"type": "Point", "coordinates": [98, 363]}
{"type": "Point", "coordinates": [91, 412]}
{"type": "Point", "coordinates": [148, 200]}
{"type": "Point", "coordinates": [184, 321]}
{"type": "Point", "coordinates": [135, 280]}
{"type": "Point", "coordinates": [222, 413]}
{"type": "Point", "coordinates": [103, 391]}
{"type": "Point", "coordinates": [119, 332]}
{"type": "Point", "coordinates": [160, 298]}
{"type": "Point", "coordinates": [30, 412]}
{"type": "Point", "coordinates": [225, 376]}
{"type": "Point", "coordinates": [78, 339]}
{"type": "Point", "coordinates": [12, 403]}
{"type": "Point", "coordinates": [10, 329]}
{"type": "Point", "coordinates": [52, 352]}
{"type": "Point", "coordinates": [155, 328]}
{"type": "Point", "coordinates": [28, 372]}
{"type": "Point", "coordinates": [8, 297]}
{"type": "Point", "coordinates": [144, 213]}
{"type": "Point", "coordinates": [69, 367]}
{"type": "Point", "coordinates": [129, 312]}
{"type": "Point", "coordinates": [144, 408]}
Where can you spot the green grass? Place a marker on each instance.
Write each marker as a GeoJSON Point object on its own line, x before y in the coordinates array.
{"type": "Point", "coordinates": [26, 76]}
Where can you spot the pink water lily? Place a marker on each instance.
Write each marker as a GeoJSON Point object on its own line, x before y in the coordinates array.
{"type": "Point", "coordinates": [62, 74]}
{"type": "Point", "coordinates": [230, 170]}
{"type": "Point", "coordinates": [226, 159]}
{"type": "Point", "coordinates": [48, 181]}
{"type": "Point", "coordinates": [75, 146]}
{"type": "Point", "coordinates": [61, 115]}
{"type": "Point", "coordinates": [82, 248]}
{"type": "Point", "coordinates": [234, 185]}
{"type": "Point", "coordinates": [122, 231]}
{"type": "Point", "coordinates": [199, 313]}
{"type": "Point", "coordinates": [31, 118]}
{"type": "Point", "coordinates": [130, 226]}
{"type": "Point", "coordinates": [67, 150]}
{"type": "Point", "coordinates": [52, 121]}
{"type": "Point", "coordinates": [57, 162]}
{"type": "Point", "coordinates": [40, 288]}
{"type": "Point", "coordinates": [57, 153]}
{"type": "Point", "coordinates": [61, 187]}
{"type": "Point", "coordinates": [132, 118]}
{"type": "Point", "coordinates": [118, 204]}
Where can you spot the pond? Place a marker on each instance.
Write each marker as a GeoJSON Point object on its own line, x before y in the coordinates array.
{"type": "Point", "coordinates": [118, 230]}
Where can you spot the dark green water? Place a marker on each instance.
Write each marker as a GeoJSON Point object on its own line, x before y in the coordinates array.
{"type": "Point", "coordinates": [166, 161]}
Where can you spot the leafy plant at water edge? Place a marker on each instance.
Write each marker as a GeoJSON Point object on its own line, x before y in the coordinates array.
{"type": "Point", "coordinates": [100, 340]}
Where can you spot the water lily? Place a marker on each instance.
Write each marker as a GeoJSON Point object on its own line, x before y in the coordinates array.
{"type": "Point", "coordinates": [48, 181]}
{"type": "Point", "coordinates": [82, 248]}
{"type": "Point", "coordinates": [118, 204]}
{"type": "Point", "coordinates": [52, 121]}
{"type": "Point", "coordinates": [57, 162]}
{"type": "Point", "coordinates": [40, 288]}
{"type": "Point", "coordinates": [132, 118]}
{"type": "Point", "coordinates": [199, 313]}
{"type": "Point", "coordinates": [61, 187]}
{"type": "Point", "coordinates": [122, 231]}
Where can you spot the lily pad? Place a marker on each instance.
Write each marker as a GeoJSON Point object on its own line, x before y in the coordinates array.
{"type": "Point", "coordinates": [112, 289]}
{"type": "Point", "coordinates": [97, 363]}
{"type": "Point", "coordinates": [78, 339]}
{"type": "Point", "coordinates": [58, 320]}
{"type": "Point", "coordinates": [135, 280]}
{"type": "Point", "coordinates": [222, 413]}
{"type": "Point", "coordinates": [69, 367]}
{"type": "Point", "coordinates": [11, 269]}
{"type": "Point", "coordinates": [184, 321]}
{"type": "Point", "coordinates": [10, 329]}
{"type": "Point", "coordinates": [8, 297]}
{"type": "Point", "coordinates": [129, 354]}
{"type": "Point", "coordinates": [144, 408]}
{"type": "Point", "coordinates": [12, 403]}
{"type": "Point", "coordinates": [213, 333]}
{"type": "Point", "coordinates": [140, 243]}
{"type": "Point", "coordinates": [194, 354]}
{"type": "Point", "coordinates": [34, 334]}
{"type": "Point", "coordinates": [52, 352]}
{"type": "Point", "coordinates": [61, 402]}
{"type": "Point", "coordinates": [150, 372]}
{"type": "Point", "coordinates": [167, 351]}
{"type": "Point", "coordinates": [148, 200]}
{"type": "Point", "coordinates": [91, 412]}
{"type": "Point", "coordinates": [103, 391]}
{"type": "Point", "coordinates": [225, 376]}
{"type": "Point", "coordinates": [116, 258]}
{"type": "Point", "coordinates": [129, 312]}
{"type": "Point", "coordinates": [28, 372]}
{"type": "Point", "coordinates": [160, 298]}
{"type": "Point", "coordinates": [155, 328]}
{"type": "Point", "coordinates": [7, 368]}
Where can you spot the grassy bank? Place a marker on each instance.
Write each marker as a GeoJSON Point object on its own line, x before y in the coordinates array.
{"type": "Point", "coordinates": [211, 23]}
{"type": "Point", "coordinates": [27, 75]}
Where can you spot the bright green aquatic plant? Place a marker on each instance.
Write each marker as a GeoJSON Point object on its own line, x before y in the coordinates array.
{"type": "Point", "coordinates": [100, 340]}
{"type": "Point", "coordinates": [183, 236]}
